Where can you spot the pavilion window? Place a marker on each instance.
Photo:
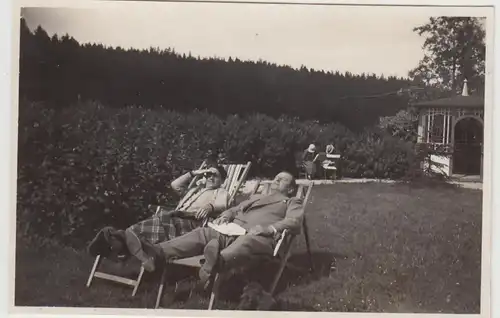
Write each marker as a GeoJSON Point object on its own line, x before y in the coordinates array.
{"type": "Point", "coordinates": [437, 129]}
{"type": "Point", "coordinates": [438, 126]}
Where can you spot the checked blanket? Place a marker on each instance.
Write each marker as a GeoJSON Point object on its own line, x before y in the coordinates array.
{"type": "Point", "coordinates": [164, 226]}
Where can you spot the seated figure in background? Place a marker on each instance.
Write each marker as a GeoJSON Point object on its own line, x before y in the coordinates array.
{"type": "Point", "coordinates": [309, 161]}
{"type": "Point", "coordinates": [329, 165]}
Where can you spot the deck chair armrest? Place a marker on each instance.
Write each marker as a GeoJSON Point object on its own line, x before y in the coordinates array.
{"type": "Point", "coordinates": [155, 209]}
{"type": "Point", "coordinates": [280, 242]}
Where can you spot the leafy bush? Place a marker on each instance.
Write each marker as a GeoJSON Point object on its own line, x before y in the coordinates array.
{"type": "Point", "coordinates": [403, 125]}
{"type": "Point", "coordinates": [88, 165]}
{"type": "Point", "coordinates": [374, 154]}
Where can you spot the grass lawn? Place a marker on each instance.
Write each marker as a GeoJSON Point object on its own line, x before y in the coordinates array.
{"type": "Point", "coordinates": [377, 247]}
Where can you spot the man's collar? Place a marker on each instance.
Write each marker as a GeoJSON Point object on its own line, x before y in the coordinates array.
{"type": "Point", "coordinates": [270, 199]}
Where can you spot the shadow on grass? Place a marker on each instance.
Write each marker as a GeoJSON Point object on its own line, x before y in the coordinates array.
{"type": "Point", "coordinates": [296, 273]}
{"type": "Point", "coordinates": [299, 271]}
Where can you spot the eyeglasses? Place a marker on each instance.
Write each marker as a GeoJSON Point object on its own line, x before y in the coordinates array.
{"type": "Point", "coordinates": [210, 174]}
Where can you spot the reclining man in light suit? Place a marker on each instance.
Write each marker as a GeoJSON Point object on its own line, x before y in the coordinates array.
{"type": "Point", "coordinates": [243, 232]}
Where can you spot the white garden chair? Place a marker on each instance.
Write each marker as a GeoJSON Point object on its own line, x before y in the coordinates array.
{"type": "Point", "coordinates": [330, 166]}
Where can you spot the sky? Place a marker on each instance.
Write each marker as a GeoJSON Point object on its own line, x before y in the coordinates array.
{"type": "Point", "coordinates": [358, 39]}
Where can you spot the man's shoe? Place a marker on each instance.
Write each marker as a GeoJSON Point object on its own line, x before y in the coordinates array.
{"type": "Point", "coordinates": [211, 254]}
{"type": "Point", "coordinates": [149, 265]}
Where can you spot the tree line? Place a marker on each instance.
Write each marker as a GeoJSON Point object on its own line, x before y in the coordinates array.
{"type": "Point", "coordinates": [60, 71]}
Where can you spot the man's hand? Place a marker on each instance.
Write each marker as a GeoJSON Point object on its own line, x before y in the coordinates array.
{"type": "Point", "coordinates": [220, 220]}
{"type": "Point", "coordinates": [260, 230]}
{"type": "Point", "coordinates": [203, 212]}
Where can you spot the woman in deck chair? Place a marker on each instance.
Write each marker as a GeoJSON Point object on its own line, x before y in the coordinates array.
{"type": "Point", "coordinates": [207, 199]}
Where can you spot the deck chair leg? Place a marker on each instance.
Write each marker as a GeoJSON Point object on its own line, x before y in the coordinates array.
{"type": "Point", "coordinates": [160, 289]}
{"type": "Point", "coordinates": [308, 246]}
{"type": "Point", "coordinates": [277, 276]}
{"type": "Point", "coordinates": [215, 292]}
{"type": "Point", "coordinates": [138, 281]}
{"type": "Point", "coordinates": [94, 268]}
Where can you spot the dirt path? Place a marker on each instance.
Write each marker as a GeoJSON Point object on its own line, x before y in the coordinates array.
{"type": "Point", "coordinates": [464, 184]}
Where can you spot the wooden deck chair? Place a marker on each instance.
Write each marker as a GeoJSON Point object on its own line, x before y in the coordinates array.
{"type": "Point", "coordinates": [236, 176]}
{"type": "Point", "coordinates": [281, 252]}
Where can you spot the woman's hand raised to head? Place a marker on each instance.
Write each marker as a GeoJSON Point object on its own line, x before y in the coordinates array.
{"type": "Point", "coordinates": [199, 172]}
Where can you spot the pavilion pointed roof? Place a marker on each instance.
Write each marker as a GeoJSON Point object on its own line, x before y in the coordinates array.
{"type": "Point", "coordinates": [455, 101]}
{"type": "Point", "coordinates": [460, 101]}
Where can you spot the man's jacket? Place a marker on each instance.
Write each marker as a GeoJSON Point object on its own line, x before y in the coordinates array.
{"type": "Point", "coordinates": [272, 209]}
